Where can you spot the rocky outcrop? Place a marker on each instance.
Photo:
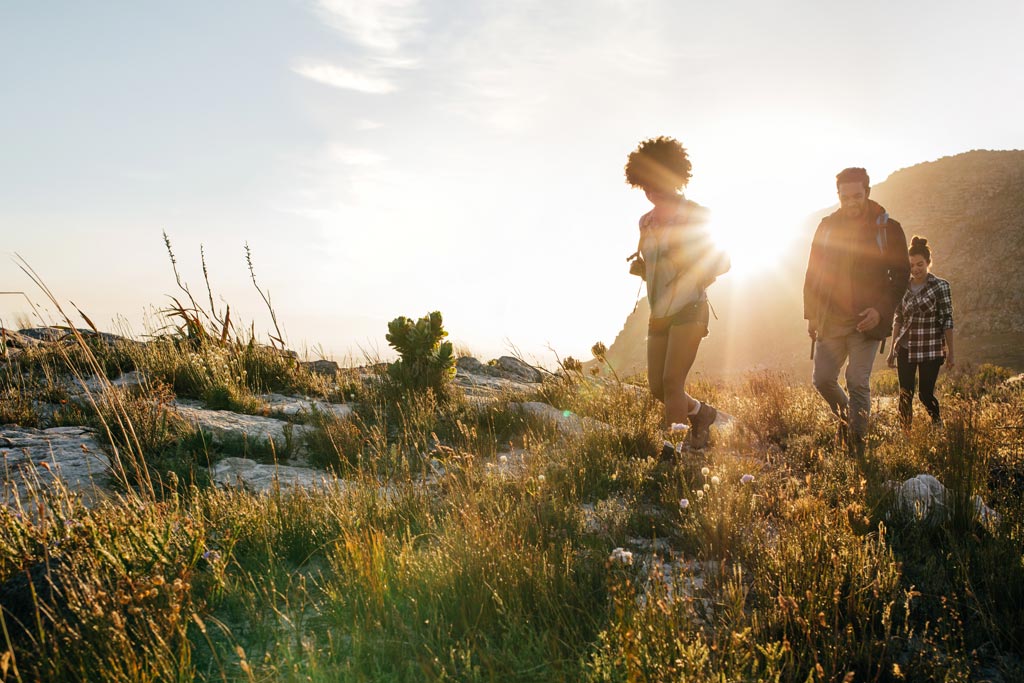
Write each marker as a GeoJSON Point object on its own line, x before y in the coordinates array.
{"type": "Point", "coordinates": [224, 423]}
{"type": "Point", "coordinates": [34, 459]}
{"type": "Point", "coordinates": [260, 478]}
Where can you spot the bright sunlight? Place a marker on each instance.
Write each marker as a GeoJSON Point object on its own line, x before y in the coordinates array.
{"type": "Point", "coordinates": [755, 239]}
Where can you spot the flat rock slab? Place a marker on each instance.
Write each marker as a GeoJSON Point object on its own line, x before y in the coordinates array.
{"type": "Point", "coordinates": [96, 386]}
{"type": "Point", "coordinates": [293, 405]}
{"type": "Point", "coordinates": [223, 423]}
{"type": "Point", "coordinates": [259, 478]}
{"type": "Point", "coordinates": [36, 458]}
{"type": "Point", "coordinates": [483, 386]}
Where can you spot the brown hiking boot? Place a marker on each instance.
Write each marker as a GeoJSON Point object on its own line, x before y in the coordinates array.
{"type": "Point", "coordinates": [700, 426]}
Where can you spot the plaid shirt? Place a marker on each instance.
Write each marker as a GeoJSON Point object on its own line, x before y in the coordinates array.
{"type": "Point", "coordinates": [923, 318]}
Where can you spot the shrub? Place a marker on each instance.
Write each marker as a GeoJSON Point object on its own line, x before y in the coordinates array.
{"type": "Point", "coordinates": [974, 382]}
{"type": "Point", "coordinates": [426, 361]}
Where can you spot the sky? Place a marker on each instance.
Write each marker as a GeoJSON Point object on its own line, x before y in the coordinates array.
{"type": "Point", "coordinates": [395, 157]}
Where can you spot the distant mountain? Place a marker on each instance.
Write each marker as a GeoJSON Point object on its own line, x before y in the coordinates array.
{"type": "Point", "coordinates": [971, 209]}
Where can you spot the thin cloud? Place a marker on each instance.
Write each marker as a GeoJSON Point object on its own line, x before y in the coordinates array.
{"type": "Point", "coordinates": [353, 156]}
{"type": "Point", "coordinates": [341, 77]}
{"type": "Point", "coordinates": [384, 25]}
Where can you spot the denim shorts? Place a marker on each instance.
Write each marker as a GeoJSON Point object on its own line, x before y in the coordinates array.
{"type": "Point", "coordinates": [693, 313]}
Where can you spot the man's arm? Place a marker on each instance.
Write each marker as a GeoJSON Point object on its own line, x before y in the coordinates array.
{"type": "Point", "coordinates": [812, 283]}
{"type": "Point", "coordinates": [899, 265]}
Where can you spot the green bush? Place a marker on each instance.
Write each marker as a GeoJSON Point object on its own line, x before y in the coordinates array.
{"type": "Point", "coordinates": [974, 382]}
{"type": "Point", "coordinates": [426, 361]}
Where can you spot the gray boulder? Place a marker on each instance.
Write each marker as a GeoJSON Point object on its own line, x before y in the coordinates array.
{"type": "Point", "coordinates": [37, 458]}
{"type": "Point", "coordinates": [322, 367]}
{"type": "Point", "coordinates": [514, 368]}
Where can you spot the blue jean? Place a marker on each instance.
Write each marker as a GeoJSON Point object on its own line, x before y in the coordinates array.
{"type": "Point", "coordinates": [829, 357]}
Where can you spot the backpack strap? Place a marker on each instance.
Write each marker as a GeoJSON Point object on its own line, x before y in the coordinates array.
{"type": "Point", "coordinates": [882, 232]}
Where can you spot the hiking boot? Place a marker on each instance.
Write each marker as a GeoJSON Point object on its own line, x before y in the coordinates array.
{"type": "Point", "coordinates": [668, 451]}
{"type": "Point", "coordinates": [700, 426]}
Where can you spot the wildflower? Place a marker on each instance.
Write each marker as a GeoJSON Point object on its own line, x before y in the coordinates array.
{"type": "Point", "coordinates": [678, 427]}
{"type": "Point", "coordinates": [707, 487]}
{"type": "Point", "coordinates": [211, 556]}
{"type": "Point", "coordinates": [705, 471]}
{"type": "Point", "coordinates": [746, 478]}
{"type": "Point", "coordinates": [684, 503]}
{"type": "Point", "coordinates": [715, 480]}
{"type": "Point", "coordinates": [541, 478]}
{"type": "Point", "coordinates": [622, 556]}
{"type": "Point", "coordinates": [503, 459]}
{"type": "Point", "coordinates": [700, 494]}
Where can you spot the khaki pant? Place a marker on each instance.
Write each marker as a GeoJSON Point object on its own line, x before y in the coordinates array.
{"type": "Point", "coordinates": [829, 357]}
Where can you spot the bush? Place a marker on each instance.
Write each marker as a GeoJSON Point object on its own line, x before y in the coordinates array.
{"type": "Point", "coordinates": [426, 361]}
{"type": "Point", "coordinates": [974, 382]}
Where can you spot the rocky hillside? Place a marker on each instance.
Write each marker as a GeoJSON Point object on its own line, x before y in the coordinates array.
{"type": "Point", "coordinates": [971, 209]}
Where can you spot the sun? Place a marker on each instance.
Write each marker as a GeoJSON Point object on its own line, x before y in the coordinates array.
{"type": "Point", "coordinates": [755, 240]}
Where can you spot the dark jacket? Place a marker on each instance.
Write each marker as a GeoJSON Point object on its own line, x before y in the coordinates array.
{"type": "Point", "coordinates": [879, 268]}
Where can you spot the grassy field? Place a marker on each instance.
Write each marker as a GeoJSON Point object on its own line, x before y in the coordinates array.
{"type": "Point", "coordinates": [468, 541]}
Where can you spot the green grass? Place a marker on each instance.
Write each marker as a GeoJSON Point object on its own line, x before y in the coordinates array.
{"type": "Point", "coordinates": [432, 559]}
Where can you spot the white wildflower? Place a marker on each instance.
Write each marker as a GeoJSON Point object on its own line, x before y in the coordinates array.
{"type": "Point", "coordinates": [621, 556]}
{"type": "Point", "coordinates": [707, 487]}
{"type": "Point", "coordinates": [503, 459]}
{"type": "Point", "coordinates": [700, 494]}
{"type": "Point", "coordinates": [705, 471]}
{"type": "Point", "coordinates": [541, 478]}
{"type": "Point", "coordinates": [684, 503]}
{"type": "Point", "coordinates": [715, 480]}
{"type": "Point", "coordinates": [678, 427]}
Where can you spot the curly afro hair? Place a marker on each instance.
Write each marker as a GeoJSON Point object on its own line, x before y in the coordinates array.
{"type": "Point", "coordinates": [659, 163]}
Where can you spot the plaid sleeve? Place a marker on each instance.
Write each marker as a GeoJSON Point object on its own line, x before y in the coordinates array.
{"type": "Point", "coordinates": [898, 315]}
{"type": "Point", "coordinates": [944, 306]}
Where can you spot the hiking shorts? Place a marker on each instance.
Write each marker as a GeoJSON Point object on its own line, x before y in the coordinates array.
{"type": "Point", "coordinates": [695, 313]}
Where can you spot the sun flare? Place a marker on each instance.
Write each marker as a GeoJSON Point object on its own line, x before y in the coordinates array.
{"type": "Point", "coordinates": [754, 243]}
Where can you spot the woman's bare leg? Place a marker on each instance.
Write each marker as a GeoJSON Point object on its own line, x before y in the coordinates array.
{"type": "Point", "coordinates": [656, 346]}
{"type": "Point", "coordinates": [680, 352]}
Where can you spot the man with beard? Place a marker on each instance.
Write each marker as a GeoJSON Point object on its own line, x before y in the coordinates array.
{"type": "Point", "coordinates": [856, 274]}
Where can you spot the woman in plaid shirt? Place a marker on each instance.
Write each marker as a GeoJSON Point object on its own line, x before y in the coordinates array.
{"type": "Point", "coordinates": [922, 333]}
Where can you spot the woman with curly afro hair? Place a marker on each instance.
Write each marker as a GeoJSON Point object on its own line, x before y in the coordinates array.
{"type": "Point", "coordinates": [678, 260]}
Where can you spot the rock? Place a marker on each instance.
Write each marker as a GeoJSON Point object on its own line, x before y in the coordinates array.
{"type": "Point", "coordinates": [291, 405]}
{"type": "Point", "coordinates": [223, 423]}
{"type": "Point", "coordinates": [260, 478]}
{"type": "Point", "coordinates": [924, 499]}
{"type": "Point", "coordinates": [516, 369]}
{"type": "Point", "coordinates": [486, 386]}
{"type": "Point", "coordinates": [35, 458]}
{"type": "Point", "coordinates": [54, 334]}
{"type": "Point", "coordinates": [322, 367]}
{"type": "Point", "coordinates": [17, 340]}
{"type": "Point", "coordinates": [470, 365]}
{"type": "Point", "coordinates": [481, 381]}
{"type": "Point", "coordinates": [46, 334]}
{"type": "Point", "coordinates": [94, 385]}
